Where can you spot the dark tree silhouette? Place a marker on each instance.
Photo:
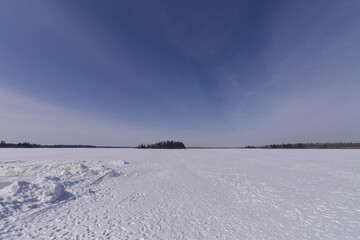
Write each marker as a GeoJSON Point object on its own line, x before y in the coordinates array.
{"type": "Point", "coordinates": [3, 144]}
{"type": "Point", "coordinates": [164, 145]}
{"type": "Point", "coordinates": [314, 146]}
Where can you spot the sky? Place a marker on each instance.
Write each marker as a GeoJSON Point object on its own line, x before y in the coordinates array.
{"type": "Point", "coordinates": [208, 73]}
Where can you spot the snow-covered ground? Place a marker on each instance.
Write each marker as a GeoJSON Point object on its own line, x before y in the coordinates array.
{"type": "Point", "coordinates": [179, 194]}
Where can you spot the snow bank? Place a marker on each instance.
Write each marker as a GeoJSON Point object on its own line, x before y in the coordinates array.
{"type": "Point", "coordinates": [23, 195]}
{"type": "Point", "coordinates": [30, 187]}
{"type": "Point", "coordinates": [57, 170]}
{"type": "Point", "coordinates": [46, 191]}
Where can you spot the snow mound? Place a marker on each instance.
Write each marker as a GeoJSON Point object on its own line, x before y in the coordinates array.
{"type": "Point", "coordinates": [14, 188]}
{"type": "Point", "coordinates": [51, 190]}
{"type": "Point", "coordinates": [44, 191]}
{"type": "Point", "coordinates": [30, 187]}
{"type": "Point", "coordinates": [23, 195]}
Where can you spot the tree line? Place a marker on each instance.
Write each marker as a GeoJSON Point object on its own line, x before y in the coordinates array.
{"type": "Point", "coordinates": [4, 144]}
{"type": "Point", "coordinates": [164, 145]}
{"type": "Point", "coordinates": [338, 145]}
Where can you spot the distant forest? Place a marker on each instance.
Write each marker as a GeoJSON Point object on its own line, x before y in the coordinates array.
{"type": "Point", "coordinates": [164, 145]}
{"type": "Point", "coordinates": [180, 145]}
{"type": "Point", "coordinates": [3, 144]}
{"type": "Point", "coordinates": [310, 146]}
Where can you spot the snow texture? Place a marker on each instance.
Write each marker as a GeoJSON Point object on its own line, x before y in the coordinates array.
{"type": "Point", "coordinates": [179, 194]}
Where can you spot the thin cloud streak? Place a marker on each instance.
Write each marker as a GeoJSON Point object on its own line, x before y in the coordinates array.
{"type": "Point", "coordinates": [308, 89]}
{"type": "Point", "coordinates": [24, 118]}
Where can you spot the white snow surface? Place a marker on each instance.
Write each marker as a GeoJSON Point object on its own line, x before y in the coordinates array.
{"type": "Point", "coordinates": [179, 194]}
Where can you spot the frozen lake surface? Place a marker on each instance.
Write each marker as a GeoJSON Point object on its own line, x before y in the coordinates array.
{"type": "Point", "coordinates": [179, 194]}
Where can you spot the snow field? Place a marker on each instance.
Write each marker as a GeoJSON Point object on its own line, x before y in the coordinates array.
{"type": "Point", "coordinates": [179, 194]}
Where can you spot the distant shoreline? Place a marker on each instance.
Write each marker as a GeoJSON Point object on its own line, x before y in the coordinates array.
{"type": "Point", "coordinates": [3, 144]}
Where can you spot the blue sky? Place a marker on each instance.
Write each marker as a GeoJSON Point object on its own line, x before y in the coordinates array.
{"type": "Point", "coordinates": [209, 73]}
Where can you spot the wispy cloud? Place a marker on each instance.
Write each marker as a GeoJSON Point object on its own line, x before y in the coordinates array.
{"type": "Point", "coordinates": [27, 118]}
{"type": "Point", "coordinates": [308, 88]}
